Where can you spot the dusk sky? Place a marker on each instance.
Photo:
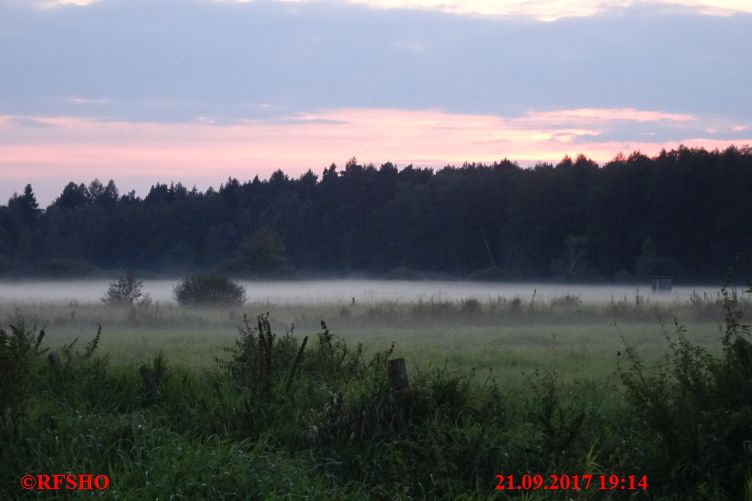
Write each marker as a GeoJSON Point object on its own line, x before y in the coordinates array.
{"type": "Point", "coordinates": [143, 91]}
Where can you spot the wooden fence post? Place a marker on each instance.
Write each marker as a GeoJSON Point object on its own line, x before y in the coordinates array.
{"type": "Point", "coordinates": [397, 374]}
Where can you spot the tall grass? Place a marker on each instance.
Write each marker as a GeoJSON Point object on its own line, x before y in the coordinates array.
{"type": "Point", "coordinates": [315, 417]}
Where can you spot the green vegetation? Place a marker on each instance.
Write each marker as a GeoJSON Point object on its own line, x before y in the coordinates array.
{"type": "Point", "coordinates": [245, 408]}
{"type": "Point", "coordinates": [696, 410]}
{"type": "Point", "coordinates": [126, 291]}
{"type": "Point", "coordinates": [209, 290]}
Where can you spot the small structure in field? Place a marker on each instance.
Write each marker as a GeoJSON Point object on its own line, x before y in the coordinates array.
{"type": "Point", "coordinates": [661, 284]}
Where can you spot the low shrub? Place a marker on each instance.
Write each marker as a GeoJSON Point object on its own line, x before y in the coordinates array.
{"type": "Point", "coordinates": [208, 290]}
{"type": "Point", "coordinates": [124, 291]}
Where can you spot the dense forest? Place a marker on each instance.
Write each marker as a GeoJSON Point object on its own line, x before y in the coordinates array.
{"type": "Point", "coordinates": [684, 213]}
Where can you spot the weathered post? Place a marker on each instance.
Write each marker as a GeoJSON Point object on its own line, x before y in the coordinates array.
{"type": "Point", "coordinates": [397, 374]}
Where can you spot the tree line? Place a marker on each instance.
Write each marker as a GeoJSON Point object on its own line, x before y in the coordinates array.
{"type": "Point", "coordinates": [683, 213]}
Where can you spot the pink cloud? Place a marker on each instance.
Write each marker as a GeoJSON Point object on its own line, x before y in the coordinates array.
{"type": "Point", "coordinates": [78, 149]}
{"type": "Point", "coordinates": [595, 115]}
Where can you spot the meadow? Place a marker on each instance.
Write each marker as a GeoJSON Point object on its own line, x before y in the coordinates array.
{"type": "Point", "coordinates": [239, 406]}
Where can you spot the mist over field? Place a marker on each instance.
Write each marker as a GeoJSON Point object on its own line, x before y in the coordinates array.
{"type": "Point", "coordinates": [361, 291]}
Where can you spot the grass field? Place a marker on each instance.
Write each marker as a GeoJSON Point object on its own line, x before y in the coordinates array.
{"type": "Point", "coordinates": [577, 341]}
{"type": "Point", "coordinates": [502, 387]}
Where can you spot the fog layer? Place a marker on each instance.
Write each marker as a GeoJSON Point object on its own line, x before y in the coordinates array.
{"type": "Point", "coordinates": [362, 291]}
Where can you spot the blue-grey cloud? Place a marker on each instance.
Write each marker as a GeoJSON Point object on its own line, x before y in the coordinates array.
{"type": "Point", "coordinates": [26, 122]}
{"type": "Point", "coordinates": [169, 60]}
{"type": "Point", "coordinates": [661, 132]}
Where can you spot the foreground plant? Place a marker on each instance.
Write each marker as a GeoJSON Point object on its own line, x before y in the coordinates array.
{"type": "Point", "coordinates": [18, 348]}
{"type": "Point", "coordinates": [699, 407]}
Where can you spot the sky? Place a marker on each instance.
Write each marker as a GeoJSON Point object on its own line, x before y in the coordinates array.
{"type": "Point", "coordinates": [146, 91]}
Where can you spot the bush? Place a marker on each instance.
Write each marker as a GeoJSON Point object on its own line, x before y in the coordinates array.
{"type": "Point", "coordinates": [261, 359]}
{"type": "Point", "coordinates": [209, 290]}
{"type": "Point", "coordinates": [18, 348]}
{"type": "Point", "coordinates": [126, 291]}
{"type": "Point", "coordinates": [697, 404]}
